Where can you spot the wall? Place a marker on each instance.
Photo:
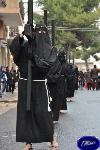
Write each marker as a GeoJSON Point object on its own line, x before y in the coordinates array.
{"type": "Point", "coordinates": [12, 4]}
{"type": "Point", "coordinates": [82, 66]}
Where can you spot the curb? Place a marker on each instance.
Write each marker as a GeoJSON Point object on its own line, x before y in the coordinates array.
{"type": "Point", "coordinates": [8, 101]}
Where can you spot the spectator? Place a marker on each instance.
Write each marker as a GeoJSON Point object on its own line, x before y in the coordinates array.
{"type": "Point", "coordinates": [88, 79]}
{"type": "Point", "coordinates": [81, 79]}
{"type": "Point", "coordinates": [2, 81]}
{"type": "Point", "coordinates": [94, 75]}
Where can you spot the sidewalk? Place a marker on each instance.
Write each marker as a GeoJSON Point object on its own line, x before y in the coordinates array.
{"type": "Point", "coordinates": [8, 97]}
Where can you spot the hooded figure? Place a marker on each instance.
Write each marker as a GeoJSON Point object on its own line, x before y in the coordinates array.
{"type": "Point", "coordinates": [70, 82]}
{"type": "Point", "coordinates": [58, 88]}
{"type": "Point", "coordinates": [62, 83]}
{"type": "Point", "coordinates": [37, 125]}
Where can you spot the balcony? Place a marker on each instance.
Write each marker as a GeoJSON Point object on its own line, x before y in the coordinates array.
{"type": "Point", "coordinates": [10, 14]}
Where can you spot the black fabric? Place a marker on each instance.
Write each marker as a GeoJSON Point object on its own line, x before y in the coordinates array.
{"type": "Point", "coordinates": [70, 82]}
{"type": "Point", "coordinates": [37, 125]}
{"type": "Point", "coordinates": [43, 45]}
{"type": "Point", "coordinates": [15, 48]}
{"type": "Point", "coordinates": [76, 74]}
{"type": "Point", "coordinates": [98, 83]}
{"type": "Point", "coordinates": [44, 55]}
{"type": "Point", "coordinates": [62, 86]}
{"type": "Point", "coordinates": [62, 83]}
{"type": "Point", "coordinates": [61, 57]}
{"type": "Point", "coordinates": [54, 72]}
{"type": "Point", "coordinates": [58, 93]}
{"type": "Point", "coordinates": [56, 100]}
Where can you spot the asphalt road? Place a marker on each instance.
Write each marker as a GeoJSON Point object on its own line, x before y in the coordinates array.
{"type": "Point", "coordinates": [82, 118]}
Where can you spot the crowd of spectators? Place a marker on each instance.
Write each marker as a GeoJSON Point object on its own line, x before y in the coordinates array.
{"type": "Point", "coordinates": [90, 79]}
{"type": "Point", "coordinates": [8, 78]}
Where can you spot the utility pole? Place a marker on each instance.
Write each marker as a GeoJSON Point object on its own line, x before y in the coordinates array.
{"type": "Point", "coordinates": [45, 17]}
{"type": "Point", "coordinates": [69, 57]}
{"type": "Point", "coordinates": [73, 60]}
{"type": "Point", "coordinates": [53, 33]}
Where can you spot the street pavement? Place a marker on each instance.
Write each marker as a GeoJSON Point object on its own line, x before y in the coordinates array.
{"type": "Point", "coordinates": [81, 119]}
{"type": "Point", "coordinates": [8, 97]}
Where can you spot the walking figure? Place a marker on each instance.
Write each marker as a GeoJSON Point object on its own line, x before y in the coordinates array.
{"type": "Point", "coordinates": [36, 125]}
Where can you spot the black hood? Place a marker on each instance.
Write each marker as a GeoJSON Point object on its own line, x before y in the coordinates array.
{"type": "Point", "coordinates": [43, 44]}
{"type": "Point", "coordinates": [61, 56]}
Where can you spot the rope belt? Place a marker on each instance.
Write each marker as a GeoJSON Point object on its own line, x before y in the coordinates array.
{"type": "Point", "coordinates": [33, 80]}
{"type": "Point", "coordinates": [48, 96]}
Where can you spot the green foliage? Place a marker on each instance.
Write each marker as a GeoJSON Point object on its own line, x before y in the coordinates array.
{"type": "Point", "coordinates": [77, 54]}
{"type": "Point", "coordinates": [37, 18]}
{"type": "Point", "coordinates": [72, 12]}
{"type": "Point", "coordinates": [75, 14]}
{"type": "Point", "coordinates": [90, 4]}
{"type": "Point", "coordinates": [68, 38]}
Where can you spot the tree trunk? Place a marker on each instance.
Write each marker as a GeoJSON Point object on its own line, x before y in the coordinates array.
{"type": "Point", "coordinates": [86, 63]}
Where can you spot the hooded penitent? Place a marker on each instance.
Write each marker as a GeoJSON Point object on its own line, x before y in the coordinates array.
{"type": "Point", "coordinates": [37, 125]}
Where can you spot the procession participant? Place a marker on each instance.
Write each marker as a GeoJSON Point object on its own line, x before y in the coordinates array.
{"type": "Point", "coordinates": [35, 126]}
{"type": "Point", "coordinates": [62, 82]}
{"type": "Point", "coordinates": [89, 80]}
{"type": "Point", "coordinates": [57, 86]}
{"type": "Point", "coordinates": [53, 78]}
{"type": "Point", "coordinates": [70, 82]}
{"type": "Point", "coordinates": [76, 74]}
{"type": "Point", "coordinates": [94, 76]}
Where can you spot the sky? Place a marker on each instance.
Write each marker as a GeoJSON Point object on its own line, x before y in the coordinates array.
{"type": "Point", "coordinates": [36, 8]}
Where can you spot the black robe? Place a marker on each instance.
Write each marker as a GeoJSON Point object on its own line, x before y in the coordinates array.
{"type": "Point", "coordinates": [37, 125]}
{"type": "Point", "coordinates": [70, 82]}
{"type": "Point", "coordinates": [76, 74]}
{"type": "Point", "coordinates": [58, 93]}
{"type": "Point", "coordinates": [62, 87]}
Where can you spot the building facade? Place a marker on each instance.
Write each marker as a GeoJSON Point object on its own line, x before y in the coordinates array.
{"type": "Point", "coordinates": [11, 15]}
{"type": "Point", "coordinates": [82, 66]}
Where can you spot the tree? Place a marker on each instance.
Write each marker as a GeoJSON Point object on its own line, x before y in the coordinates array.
{"type": "Point", "coordinates": [68, 40]}
{"type": "Point", "coordinates": [37, 18]}
{"type": "Point", "coordinates": [77, 14]}
{"type": "Point", "coordinates": [73, 13]}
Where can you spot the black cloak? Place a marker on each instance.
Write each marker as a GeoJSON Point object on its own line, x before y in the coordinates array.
{"type": "Point", "coordinates": [70, 81]}
{"type": "Point", "coordinates": [58, 89]}
{"type": "Point", "coordinates": [37, 125]}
